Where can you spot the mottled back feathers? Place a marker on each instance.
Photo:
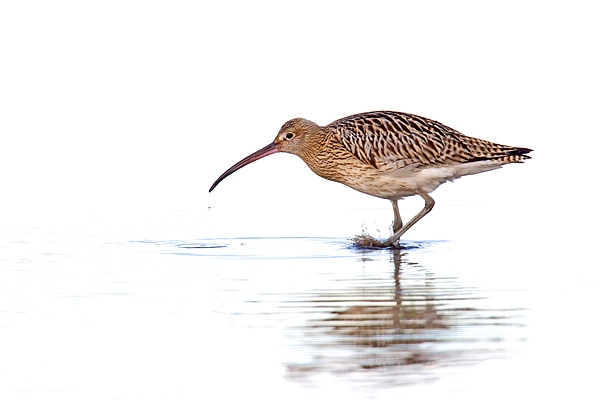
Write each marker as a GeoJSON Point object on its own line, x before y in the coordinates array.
{"type": "Point", "coordinates": [385, 137]}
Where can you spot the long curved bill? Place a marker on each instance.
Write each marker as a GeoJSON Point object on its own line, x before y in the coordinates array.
{"type": "Point", "coordinates": [265, 151]}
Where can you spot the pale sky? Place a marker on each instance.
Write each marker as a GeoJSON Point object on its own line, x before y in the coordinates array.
{"type": "Point", "coordinates": [122, 106]}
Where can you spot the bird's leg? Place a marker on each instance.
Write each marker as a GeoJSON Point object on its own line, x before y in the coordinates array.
{"type": "Point", "coordinates": [429, 203]}
{"type": "Point", "coordinates": [397, 220]}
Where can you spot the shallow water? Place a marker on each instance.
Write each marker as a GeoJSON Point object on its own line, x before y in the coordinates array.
{"type": "Point", "coordinates": [132, 317]}
{"type": "Point", "coordinates": [356, 310]}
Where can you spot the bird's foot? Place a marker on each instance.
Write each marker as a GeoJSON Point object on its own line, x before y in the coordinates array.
{"type": "Point", "coordinates": [367, 241]}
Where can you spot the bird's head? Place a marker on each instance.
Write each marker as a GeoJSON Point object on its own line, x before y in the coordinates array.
{"type": "Point", "coordinates": [297, 136]}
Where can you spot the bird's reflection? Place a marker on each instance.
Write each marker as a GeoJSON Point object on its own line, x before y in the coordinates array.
{"type": "Point", "coordinates": [409, 318]}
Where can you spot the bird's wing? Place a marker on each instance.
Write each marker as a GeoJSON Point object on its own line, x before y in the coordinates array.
{"type": "Point", "coordinates": [380, 138]}
{"type": "Point", "coordinates": [386, 139]}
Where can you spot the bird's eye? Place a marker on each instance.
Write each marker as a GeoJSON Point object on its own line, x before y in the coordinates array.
{"type": "Point", "coordinates": [289, 135]}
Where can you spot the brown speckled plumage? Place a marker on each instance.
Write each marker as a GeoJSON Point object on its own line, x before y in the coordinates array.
{"type": "Point", "coordinates": [378, 137]}
{"type": "Point", "coordinates": [387, 154]}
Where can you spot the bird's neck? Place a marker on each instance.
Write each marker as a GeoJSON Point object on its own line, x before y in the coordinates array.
{"type": "Point", "coordinates": [317, 155]}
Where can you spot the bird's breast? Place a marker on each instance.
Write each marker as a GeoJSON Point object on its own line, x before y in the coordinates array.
{"type": "Point", "coordinates": [390, 178]}
{"type": "Point", "coordinates": [397, 184]}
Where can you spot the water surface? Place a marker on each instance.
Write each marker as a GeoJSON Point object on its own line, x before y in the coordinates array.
{"type": "Point", "coordinates": [176, 317]}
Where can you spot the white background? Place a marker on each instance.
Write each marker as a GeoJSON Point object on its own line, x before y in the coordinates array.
{"type": "Point", "coordinates": [116, 107]}
{"type": "Point", "coordinates": [127, 111]}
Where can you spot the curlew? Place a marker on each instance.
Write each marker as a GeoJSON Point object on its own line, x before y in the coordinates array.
{"type": "Point", "coordinates": [387, 154]}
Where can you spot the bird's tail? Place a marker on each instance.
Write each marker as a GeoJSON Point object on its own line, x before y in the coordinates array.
{"type": "Point", "coordinates": [482, 150]}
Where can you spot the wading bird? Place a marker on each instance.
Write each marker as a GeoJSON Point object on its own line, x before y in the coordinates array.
{"type": "Point", "coordinates": [387, 154]}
